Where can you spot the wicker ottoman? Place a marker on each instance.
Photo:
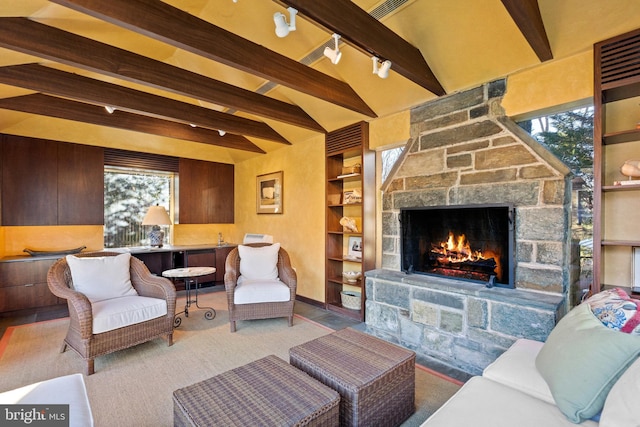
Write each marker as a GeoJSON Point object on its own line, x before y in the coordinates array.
{"type": "Point", "coordinates": [375, 379]}
{"type": "Point", "coordinates": [267, 392]}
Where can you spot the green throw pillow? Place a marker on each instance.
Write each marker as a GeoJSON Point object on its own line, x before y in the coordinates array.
{"type": "Point", "coordinates": [581, 360]}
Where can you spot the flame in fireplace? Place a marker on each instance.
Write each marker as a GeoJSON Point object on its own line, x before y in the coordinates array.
{"type": "Point", "coordinates": [457, 250]}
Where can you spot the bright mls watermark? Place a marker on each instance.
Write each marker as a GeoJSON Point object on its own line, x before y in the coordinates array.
{"type": "Point", "coordinates": [34, 415]}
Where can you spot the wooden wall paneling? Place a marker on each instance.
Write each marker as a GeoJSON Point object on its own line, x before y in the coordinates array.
{"type": "Point", "coordinates": [29, 182]}
{"type": "Point", "coordinates": [206, 192]}
{"type": "Point", "coordinates": [80, 185]}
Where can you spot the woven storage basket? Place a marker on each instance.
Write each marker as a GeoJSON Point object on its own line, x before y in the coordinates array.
{"type": "Point", "coordinates": [350, 299]}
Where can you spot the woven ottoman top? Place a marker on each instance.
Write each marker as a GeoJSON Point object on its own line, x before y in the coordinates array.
{"type": "Point", "coordinates": [267, 391]}
{"type": "Point", "coordinates": [354, 358]}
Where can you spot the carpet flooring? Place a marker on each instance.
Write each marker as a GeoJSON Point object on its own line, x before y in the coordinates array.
{"type": "Point", "coordinates": [135, 386]}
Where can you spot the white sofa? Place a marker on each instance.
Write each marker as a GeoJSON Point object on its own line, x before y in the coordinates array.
{"type": "Point", "coordinates": [513, 391]}
{"type": "Point", "coordinates": [66, 390]}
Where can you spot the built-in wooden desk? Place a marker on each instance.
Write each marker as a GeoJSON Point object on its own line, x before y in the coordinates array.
{"type": "Point", "coordinates": [23, 278]}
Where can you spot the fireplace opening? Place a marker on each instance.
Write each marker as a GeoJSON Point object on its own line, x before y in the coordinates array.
{"type": "Point", "coordinates": [472, 242]}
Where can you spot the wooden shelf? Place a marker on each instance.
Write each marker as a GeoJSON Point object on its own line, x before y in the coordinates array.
{"type": "Point", "coordinates": [621, 137]}
{"type": "Point", "coordinates": [608, 188]}
{"type": "Point", "coordinates": [349, 177]}
{"type": "Point", "coordinates": [346, 147]}
{"type": "Point", "coordinates": [617, 78]}
{"type": "Point", "coordinates": [620, 243]}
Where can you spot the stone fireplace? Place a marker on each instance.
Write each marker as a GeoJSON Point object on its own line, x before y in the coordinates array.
{"type": "Point", "coordinates": [464, 151]}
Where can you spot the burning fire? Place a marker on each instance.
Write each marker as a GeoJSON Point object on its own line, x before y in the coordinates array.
{"type": "Point", "coordinates": [457, 250]}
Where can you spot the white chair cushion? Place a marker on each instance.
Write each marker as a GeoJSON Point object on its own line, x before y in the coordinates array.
{"type": "Point", "coordinates": [259, 263]}
{"type": "Point", "coordinates": [124, 311]}
{"type": "Point", "coordinates": [516, 368]}
{"type": "Point", "coordinates": [101, 278]}
{"type": "Point", "coordinates": [257, 291]}
{"type": "Point", "coordinates": [621, 409]}
{"type": "Point", "coordinates": [482, 402]}
{"type": "Point", "coordinates": [67, 390]}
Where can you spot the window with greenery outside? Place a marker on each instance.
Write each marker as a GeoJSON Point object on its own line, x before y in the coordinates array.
{"type": "Point", "coordinates": [127, 196]}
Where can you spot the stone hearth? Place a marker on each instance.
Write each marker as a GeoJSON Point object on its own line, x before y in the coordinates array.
{"type": "Point", "coordinates": [464, 151]}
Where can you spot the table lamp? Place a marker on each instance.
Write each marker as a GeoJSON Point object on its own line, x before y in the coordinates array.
{"type": "Point", "coordinates": [156, 216]}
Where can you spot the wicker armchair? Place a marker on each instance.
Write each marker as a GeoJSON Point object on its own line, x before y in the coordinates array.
{"type": "Point", "coordinates": [263, 310]}
{"type": "Point", "coordinates": [80, 336]}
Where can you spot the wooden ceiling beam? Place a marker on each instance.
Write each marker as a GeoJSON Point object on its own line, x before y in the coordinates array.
{"type": "Point", "coordinates": [526, 15]}
{"type": "Point", "coordinates": [362, 30]}
{"type": "Point", "coordinates": [51, 106]}
{"type": "Point", "coordinates": [33, 38]}
{"type": "Point", "coordinates": [171, 25]}
{"type": "Point", "coordinates": [55, 82]}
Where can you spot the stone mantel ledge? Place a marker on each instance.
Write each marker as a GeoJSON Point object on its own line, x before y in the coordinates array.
{"type": "Point", "coordinates": [532, 299]}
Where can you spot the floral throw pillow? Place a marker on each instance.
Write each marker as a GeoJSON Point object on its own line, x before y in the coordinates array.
{"type": "Point", "coordinates": [616, 310]}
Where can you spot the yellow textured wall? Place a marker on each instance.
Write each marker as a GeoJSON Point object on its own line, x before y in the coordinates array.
{"type": "Point", "coordinates": [300, 228]}
{"type": "Point", "coordinates": [551, 84]}
{"type": "Point", "coordinates": [390, 130]}
{"type": "Point", "coordinates": [203, 234]}
{"type": "Point", "coordinates": [15, 239]}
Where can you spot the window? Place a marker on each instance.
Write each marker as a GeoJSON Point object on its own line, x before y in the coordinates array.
{"type": "Point", "coordinates": [388, 160]}
{"type": "Point", "coordinates": [128, 193]}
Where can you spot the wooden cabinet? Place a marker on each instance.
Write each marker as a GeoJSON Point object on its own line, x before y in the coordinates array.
{"type": "Point", "coordinates": [616, 139]}
{"type": "Point", "coordinates": [350, 193]}
{"type": "Point", "coordinates": [29, 181]}
{"type": "Point", "coordinates": [80, 185]}
{"type": "Point", "coordinates": [221, 258]}
{"type": "Point", "coordinates": [202, 258]}
{"type": "Point", "coordinates": [206, 192]}
{"type": "Point", "coordinates": [51, 183]}
{"type": "Point", "coordinates": [23, 285]}
{"type": "Point", "coordinates": [158, 261]}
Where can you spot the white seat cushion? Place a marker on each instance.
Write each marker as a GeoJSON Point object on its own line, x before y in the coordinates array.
{"type": "Point", "coordinates": [67, 390]}
{"type": "Point", "coordinates": [516, 368]}
{"type": "Point", "coordinates": [621, 408]}
{"type": "Point", "coordinates": [124, 311]}
{"type": "Point", "coordinates": [257, 291]}
{"type": "Point", "coordinates": [485, 403]}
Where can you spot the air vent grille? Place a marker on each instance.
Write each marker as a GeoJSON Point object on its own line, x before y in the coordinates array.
{"type": "Point", "coordinates": [348, 138]}
{"type": "Point", "coordinates": [620, 59]}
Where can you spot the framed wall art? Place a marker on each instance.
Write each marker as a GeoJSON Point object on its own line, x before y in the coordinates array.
{"type": "Point", "coordinates": [355, 248]}
{"type": "Point", "coordinates": [269, 193]}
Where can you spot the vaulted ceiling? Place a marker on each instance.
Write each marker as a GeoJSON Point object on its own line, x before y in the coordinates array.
{"type": "Point", "coordinates": [177, 72]}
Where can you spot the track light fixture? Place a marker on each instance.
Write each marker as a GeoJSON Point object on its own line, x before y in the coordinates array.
{"type": "Point", "coordinates": [382, 70]}
{"type": "Point", "coordinates": [333, 54]}
{"type": "Point", "coordinates": [282, 28]}
{"type": "Point", "coordinates": [222, 132]}
{"type": "Point", "coordinates": [109, 109]}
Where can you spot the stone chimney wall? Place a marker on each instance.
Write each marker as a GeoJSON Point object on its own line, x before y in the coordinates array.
{"type": "Point", "coordinates": [464, 150]}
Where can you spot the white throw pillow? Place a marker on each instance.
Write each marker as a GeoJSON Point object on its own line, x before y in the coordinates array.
{"type": "Point", "coordinates": [260, 262]}
{"type": "Point", "coordinates": [621, 408]}
{"type": "Point", "coordinates": [101, 278]}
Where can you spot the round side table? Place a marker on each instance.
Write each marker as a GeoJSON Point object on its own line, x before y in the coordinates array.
{"type": "Point", "coordinates": [190, 276]}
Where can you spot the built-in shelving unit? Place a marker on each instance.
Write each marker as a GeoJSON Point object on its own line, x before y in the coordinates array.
{"type": "Point", "coordinates": [350, 192]}
{"type": "Point", "coordinates": [616, 139]}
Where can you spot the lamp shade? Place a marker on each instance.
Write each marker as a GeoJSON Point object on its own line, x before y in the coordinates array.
{"type": "Point", "coordinates": [156, 215]}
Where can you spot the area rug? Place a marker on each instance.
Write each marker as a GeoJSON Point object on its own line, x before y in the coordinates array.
{"type": "Point", "coordinates": [134, 387]}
